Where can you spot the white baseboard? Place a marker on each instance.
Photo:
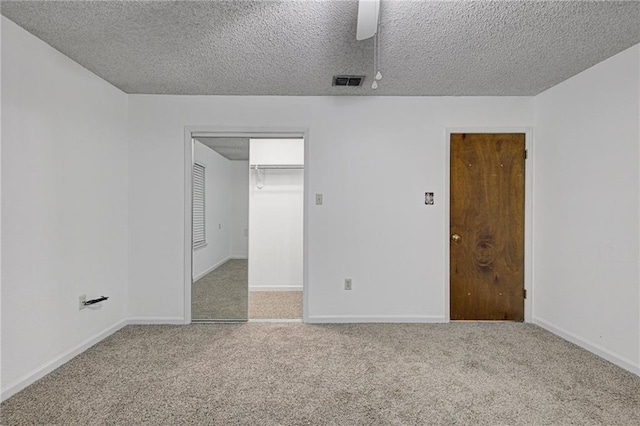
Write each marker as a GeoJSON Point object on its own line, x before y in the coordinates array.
{"type": "Point", "coordinates": [156, 321]}
{"type": "Point", "coordinates": [217, 265]}
{"type": "Point", "coordinates": [275, 288]}
{"type": "Point", "coordinates": [602, 352]}
{"type": "Point", "coordinates": [62, 359]}
{"type": "Point", "coordinates": [320, 319]}
{"type": "Point", "coordinates": [210, 269]}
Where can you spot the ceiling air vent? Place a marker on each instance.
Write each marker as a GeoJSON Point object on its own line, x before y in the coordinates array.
{"type": "Point", "coordinates": [348, 80]}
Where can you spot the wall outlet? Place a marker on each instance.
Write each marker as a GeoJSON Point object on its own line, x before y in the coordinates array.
{"type": "Point", "coordinates": [319, 199]}
{"type": "Point", "coordinates": [347, 284]}
{"type": "Point", "coordinates": [81, 300]}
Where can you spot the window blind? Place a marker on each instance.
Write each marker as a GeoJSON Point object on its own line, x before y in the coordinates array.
{"type": "Point", "coordinates": [199, 236]}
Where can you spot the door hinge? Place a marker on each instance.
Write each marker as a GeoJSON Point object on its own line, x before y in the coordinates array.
{"type": "Point", "coordinates": [526, 154]}
{"type": "Point", "coordinates": [524, 293]}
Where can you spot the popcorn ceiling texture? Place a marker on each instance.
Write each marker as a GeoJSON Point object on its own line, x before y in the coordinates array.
{"type": "Point", "coordinates": [295, 47]}
{"type": "Point", "coordinates": [230, 148]}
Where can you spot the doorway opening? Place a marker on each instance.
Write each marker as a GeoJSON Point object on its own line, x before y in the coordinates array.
{"type": "Point", "coordinates": [247, 227]}
{"type": "Point", "coordinates": [276, 212]}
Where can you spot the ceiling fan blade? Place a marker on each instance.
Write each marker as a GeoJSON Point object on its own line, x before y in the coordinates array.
{"type": "Point", "coordinates": [368, 12]}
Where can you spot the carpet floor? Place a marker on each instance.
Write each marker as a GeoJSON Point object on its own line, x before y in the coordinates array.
{"type": "Point", "coordinates": [275, 305]}
{"type": "Point", "coordinates": [338, 374]}
{"type": "Point", "coordinates": [222, 294]}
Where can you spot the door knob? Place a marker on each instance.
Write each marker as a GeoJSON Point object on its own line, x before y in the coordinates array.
{"type": "Point", "coordinates": [455, 238]}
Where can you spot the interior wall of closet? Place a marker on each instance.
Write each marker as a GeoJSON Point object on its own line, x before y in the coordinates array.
{"type": "Point", "coordinates": [276, 214]}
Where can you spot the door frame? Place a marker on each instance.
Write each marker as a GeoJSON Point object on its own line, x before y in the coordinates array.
{"type": "Point", "coordinates": [528, 212]}
{"type": "Point", "coordinates": [240, 132]}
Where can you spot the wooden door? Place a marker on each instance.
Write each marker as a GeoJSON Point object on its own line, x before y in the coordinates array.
{"type": "Point", "coordinates": [487, 226]}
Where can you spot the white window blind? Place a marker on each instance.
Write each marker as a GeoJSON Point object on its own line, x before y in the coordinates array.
{"type": "Point", "coordinates": [199, 236]}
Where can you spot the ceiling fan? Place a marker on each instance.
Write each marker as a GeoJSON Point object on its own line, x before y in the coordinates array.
{"type": "Point", "coordinates": [368, 18]}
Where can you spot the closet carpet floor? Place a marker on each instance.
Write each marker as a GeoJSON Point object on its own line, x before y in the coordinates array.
{"type": "Point", "coordinates": [275, 305]}
{"type": "Point", "coordinates": [338, 374]}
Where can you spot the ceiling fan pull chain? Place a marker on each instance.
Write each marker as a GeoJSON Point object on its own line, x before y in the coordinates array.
{"type": "Point", "coordinates": [378, 75]}
{"type": "Point", "coordinates": [374, 85]}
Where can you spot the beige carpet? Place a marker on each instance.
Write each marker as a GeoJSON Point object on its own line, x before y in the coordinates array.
{"type": "Point", "coordinates": [367, 374]}
{"type": "Point", "coordinates": [222, 294]}
{"type": "Point", "coordinates": [275, 305]}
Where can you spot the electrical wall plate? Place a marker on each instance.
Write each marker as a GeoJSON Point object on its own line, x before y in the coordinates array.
{"type": "Point", "coordinates": [347, 283]}
{"type": "Point", "coordinates": [428, 198]}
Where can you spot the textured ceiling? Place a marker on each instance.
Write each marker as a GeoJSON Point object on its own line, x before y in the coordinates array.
{"type": "Point", "coordinates": [295, 47]}
{"type": "Point", "coordinates": [230, 148]}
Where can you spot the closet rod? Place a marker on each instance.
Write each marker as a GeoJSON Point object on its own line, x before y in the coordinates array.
{"type": "Point", "coordinates": [277, 166]}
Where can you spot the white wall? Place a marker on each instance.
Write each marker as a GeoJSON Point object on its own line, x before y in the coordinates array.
{"type": "Point", "coordinates": [266, 151]}
{"type": "Point", "coordinates": [276, 216]}
{"type": "Point", "coordinates": [239, 209]}
{"type": "Point", "coordinates": [373, 169]}
{"type": "Point", "coordinates": [586, 216]}
{"type": "Point", "coordinates": [64, 207]}
{"type": "Point", "coordinates": [217, 210]}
